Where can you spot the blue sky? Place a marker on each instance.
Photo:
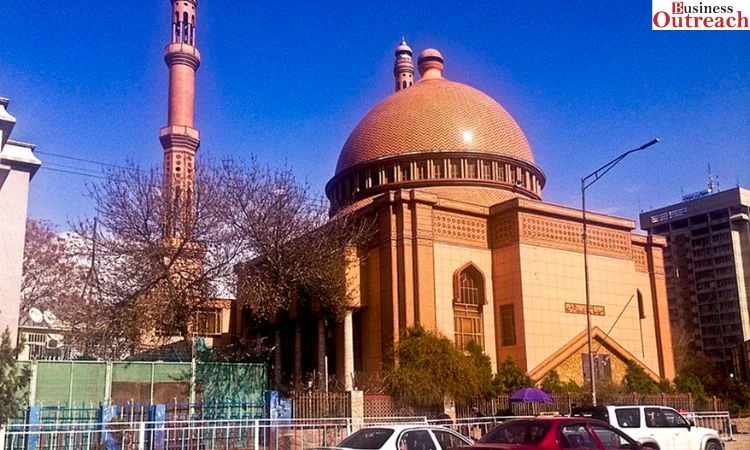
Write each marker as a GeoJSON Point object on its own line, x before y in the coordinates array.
{"type": "Point", "coordinates": [287, 81]}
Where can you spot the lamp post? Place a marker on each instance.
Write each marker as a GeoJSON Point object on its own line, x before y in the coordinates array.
{"type": "Point", "coordinates": [586, 182]}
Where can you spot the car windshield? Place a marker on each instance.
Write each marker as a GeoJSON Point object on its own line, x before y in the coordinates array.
{"type": "Point", "coordinates": [521, 432]}
{"type": "Point", "coordinates": [367, 439]}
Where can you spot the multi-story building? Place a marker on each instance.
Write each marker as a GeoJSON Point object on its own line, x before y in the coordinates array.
{"type": "Point", "coordinates": [17, 166]}
{"type": "Point", "coordinates": [707, 263]}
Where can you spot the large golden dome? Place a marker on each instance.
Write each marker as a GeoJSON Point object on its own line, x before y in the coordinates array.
{"type": "Point", "coordinates": [435, 115]}
{"type": "Point", "coordinates": [439, 136]}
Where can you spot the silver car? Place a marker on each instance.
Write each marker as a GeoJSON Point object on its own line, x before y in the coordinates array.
{"type": "Point", "coordinates": [402, 437]}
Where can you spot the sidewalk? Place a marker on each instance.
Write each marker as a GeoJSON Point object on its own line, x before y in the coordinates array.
{"type": "Point", "coordinates": [740, 442]}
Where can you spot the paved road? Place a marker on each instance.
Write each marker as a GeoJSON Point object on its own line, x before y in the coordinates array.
{"type": "Point", "coordinates": [741, 442]}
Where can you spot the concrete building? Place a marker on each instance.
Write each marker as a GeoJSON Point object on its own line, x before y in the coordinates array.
{"type": "Point", "coordinates": [707, 262]}
{"type": "Point", "coordinates": [17, 167]}
{"type": "Point", "coordinates": [466, 247]}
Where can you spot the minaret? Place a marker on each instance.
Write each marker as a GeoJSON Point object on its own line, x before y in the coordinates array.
{"type": "Point", "coordinates": [431, 64]}
{"type": "Point", "coordinates": [179, 139]}
{"type": "Point", "coordinates": [403, 68]}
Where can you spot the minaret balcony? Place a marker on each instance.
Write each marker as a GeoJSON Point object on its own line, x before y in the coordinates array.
{"type": "Point", "coordinates": [181, 53]}
{"type": "Point", "coordinates": [179, 136]}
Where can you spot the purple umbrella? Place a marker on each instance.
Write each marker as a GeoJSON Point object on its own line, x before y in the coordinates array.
{"type": "Point", "coordinates": [531, 395]}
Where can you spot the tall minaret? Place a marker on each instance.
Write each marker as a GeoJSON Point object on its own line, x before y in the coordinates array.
{"type": "Point", "coordinates": [403, 68]}
{"type": "Point", "coordinates": [179, 139]}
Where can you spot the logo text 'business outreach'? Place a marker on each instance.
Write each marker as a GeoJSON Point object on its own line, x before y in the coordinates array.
{"type": "Point", "coordinates": [700, 15]}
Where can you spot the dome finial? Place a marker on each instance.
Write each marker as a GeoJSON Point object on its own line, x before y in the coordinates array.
{"type": "Point", "coordinates": [403, 67]}
{"type": "Point", "coordinates": [431, 64]}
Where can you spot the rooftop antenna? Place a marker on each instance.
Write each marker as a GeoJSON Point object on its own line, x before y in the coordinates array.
{"type": "Point", "coordinates": [713, 183]}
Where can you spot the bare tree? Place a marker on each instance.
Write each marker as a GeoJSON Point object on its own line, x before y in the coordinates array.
{"type": "Point", "coordinates": [153, 262]}
{"type": "Point", "coordinates": [51, 273]}
{"type": "Point", "coordinates": [683, 348]}
{"type": "Point", "coordinates": [146, 281]}
{"type": "Point", "coordinates": [297, 253]}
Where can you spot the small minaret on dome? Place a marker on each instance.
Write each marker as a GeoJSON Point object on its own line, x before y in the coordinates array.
{"type": "Point", "coordinates": [179, 139]}
{"type": "Point", "coordinates": [403, 68]}
{"type": "Point", "coordinates": [431, 64]}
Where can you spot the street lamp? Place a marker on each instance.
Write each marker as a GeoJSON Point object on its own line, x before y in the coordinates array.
{"type": "Point", "coordinates": [586, 182]}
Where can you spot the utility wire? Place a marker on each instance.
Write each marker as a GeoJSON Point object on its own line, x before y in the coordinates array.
{"type": "Point", "coordinates": [91, 161]}
{"type": "Point", "coordinates": [72, 172]}
{"type": "Point", "coordinates": [90, 175]}
{"type": "Point", "coordinates": [75, 168]}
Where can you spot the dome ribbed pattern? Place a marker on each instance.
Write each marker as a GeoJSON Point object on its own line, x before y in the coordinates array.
{"type": "Point", "coordinates": [432, 116]}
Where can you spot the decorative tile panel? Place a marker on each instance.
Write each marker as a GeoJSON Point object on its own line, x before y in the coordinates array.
{"type": "Point", "coordinates": [639, 256]}
{"type": "Point", "coordinates": [453, 226]}
{"type": "Point", "coordinates": [563, 233]}
{"type": "Point", "coordinates": [504, 231]}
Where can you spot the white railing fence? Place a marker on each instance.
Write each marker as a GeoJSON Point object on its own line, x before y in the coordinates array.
{"type": "Point", "coordinates": [246, 434]}
{"type": "Point", "coordinates": [718, 420]}
{"type": "Point", "coordinates": [253, 434]}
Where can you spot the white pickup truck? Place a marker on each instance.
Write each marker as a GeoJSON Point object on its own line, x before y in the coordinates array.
{"type": "Point", "coordinates": [655, 427]}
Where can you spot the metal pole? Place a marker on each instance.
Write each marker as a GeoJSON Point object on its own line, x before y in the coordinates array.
{"type": "Point", "coordinates": [585, 183]}
{"type": "Point", "coordinates": [588, 294]}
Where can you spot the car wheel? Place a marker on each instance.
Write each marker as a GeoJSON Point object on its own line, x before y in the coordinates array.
{"type": "Point", "coordinates": [652, 446]}
{"type": "Point", "coordinates": [713, 445]}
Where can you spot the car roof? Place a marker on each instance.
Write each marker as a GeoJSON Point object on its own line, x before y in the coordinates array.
{"type": "Point", "coordinates": [556, 419]}
{"type": "Point", "coordinates": [402, 427]}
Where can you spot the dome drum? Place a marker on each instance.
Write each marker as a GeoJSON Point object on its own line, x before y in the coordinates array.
{"type": "Point", "coordinates": [434, 169]}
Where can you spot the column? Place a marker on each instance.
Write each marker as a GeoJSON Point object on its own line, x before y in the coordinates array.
{"type": "Point", "coordinates": [348, 352]}
{"type": "Point", "coordinates": [277, 357]}
{"type": "Point", "coordinates": [389, 305]}
{"type": "Point", "coordinates": [297, 354]}
{"type": "Point", "coordinates": [661, 309]}
{"type": "Point", "coordinates": [404, 262]}
{"type": "Point", "coordinates": [424, 265]}
{"type": "Point", "coordinates": [322, 369]}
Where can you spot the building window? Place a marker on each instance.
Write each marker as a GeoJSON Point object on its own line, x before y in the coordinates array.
{"type": "Point", "coordinates": [406, 172]}
{"type": "Point", "coordinates": [507, 325]}
{"type": "Point", "coordinates": [467, 307]}
{"type": "Point", "coordinates": [455, 165]}
{"type": "Point", "coordinates": [390, 174]}
{"type": "Point", "coordinates": [471, 169]}
{"type": "Point", "coordinates": [438, 169]}
{"type": "Point", "coordinates": [422, 170]}
{"type": "Point", "coordinates": [375, 178]}
{"type": "Point", "coordinates": [641, 306]}
{"type": "Point", "coordinates": [487, 170]}
{"type": "Point", "coordinates": [602, 367]}
{"type": "Point", "coordinates": [207, 322]}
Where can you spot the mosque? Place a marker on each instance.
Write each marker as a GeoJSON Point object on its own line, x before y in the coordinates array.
{"type": "Point", "coordinates": [464, 245]}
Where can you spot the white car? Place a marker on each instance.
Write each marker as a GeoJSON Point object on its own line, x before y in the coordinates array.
{"type": "Point", "coordinates": [656, 427]}
{"type": "Point", "coordinates": [402, 437]}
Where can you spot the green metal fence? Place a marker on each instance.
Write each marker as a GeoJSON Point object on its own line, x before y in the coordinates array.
{"type": "Point", "coordinates": [90, 383]}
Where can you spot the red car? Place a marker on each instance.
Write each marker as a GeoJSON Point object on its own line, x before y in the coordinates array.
{"type": "Point", "coordinates": [556, 433]}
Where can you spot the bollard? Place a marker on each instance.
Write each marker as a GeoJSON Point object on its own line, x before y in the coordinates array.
{"type": "Point", "coordinates": [156, 427]}
{"type": "Point", "coordinates": [106, 414]}
{"type": "Point", "coordinates": [33, 418]}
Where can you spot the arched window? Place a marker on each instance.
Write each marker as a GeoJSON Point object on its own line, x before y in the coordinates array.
{"type": "Point", "coordinates": [176, 27]}
{"type": "Point", "coordinates": [185, 26]}
{"type": "Point", "coordinates": [468, 287]}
